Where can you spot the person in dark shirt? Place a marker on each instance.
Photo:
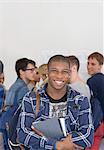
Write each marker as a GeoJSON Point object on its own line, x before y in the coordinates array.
{"type": "Point", "coordinates": [96, 84]}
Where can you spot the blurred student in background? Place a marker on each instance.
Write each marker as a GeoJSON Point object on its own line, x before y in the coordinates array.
{"type": "Point", "coordinates": [25, 69]}
{"type": "Point", "coordinates": [75, 80]}
{"type": "Point", "coordinates": [43, 71]}
{"type": "Point", "coordinates": [96, 84]}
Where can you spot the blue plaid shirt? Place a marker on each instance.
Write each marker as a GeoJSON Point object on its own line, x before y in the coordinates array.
{"type": "Point", "coordinates": [78, 120]}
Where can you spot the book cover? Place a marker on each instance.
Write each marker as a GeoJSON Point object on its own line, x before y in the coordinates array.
{"type": "Point", "coordinates": [53, 128]}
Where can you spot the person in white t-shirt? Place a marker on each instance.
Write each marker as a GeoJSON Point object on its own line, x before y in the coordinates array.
{"type": "Point", "coordinates": [75, 80]}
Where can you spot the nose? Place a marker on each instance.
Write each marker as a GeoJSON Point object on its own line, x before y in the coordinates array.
{"type": "Point", "coordinates": [59, 75]}
{"type": "Point", "coordinates": [88, 66]}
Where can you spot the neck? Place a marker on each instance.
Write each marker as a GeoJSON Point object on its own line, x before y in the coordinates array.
{"type": "Point", "coordinates": [75, 78]}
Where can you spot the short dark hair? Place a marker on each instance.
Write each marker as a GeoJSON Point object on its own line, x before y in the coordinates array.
{"type": "Point", "coordinates": [59, 58]}
{"type": "Point", "coordinates": [73, 60]}
{"type": "Point", "coordinates": [1, 67]}
{"type": "Point", "coordinates": [98, 56]}
{"type": "Point", "coordinates": [21, 64]}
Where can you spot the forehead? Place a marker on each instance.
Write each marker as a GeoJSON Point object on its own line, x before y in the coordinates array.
{"type": "Point", "coordinates": [93, 60]}
{"type": "Point", "coordinates": [30, 65]}
{"type": "Point", "coordinates": [59, 64]}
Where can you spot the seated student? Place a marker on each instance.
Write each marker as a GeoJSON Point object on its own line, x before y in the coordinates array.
{"type": "Point", "coordinates": [25, 69]}
{"type": "Point", "coordinates": [75, 80]}
{"type": "Point", "coordinates": [96, 84]}
{"type": "Point", "coordinates": [59, 100]}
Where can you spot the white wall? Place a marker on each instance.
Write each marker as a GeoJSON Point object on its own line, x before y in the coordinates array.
{"type": "Point", "coordinates": [38, 29]}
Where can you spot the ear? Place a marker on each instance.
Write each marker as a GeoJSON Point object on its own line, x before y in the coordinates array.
{"type": "Point", "coordinates": [74, 67]}
{"type": "Point", "coordinates": [21, 72]}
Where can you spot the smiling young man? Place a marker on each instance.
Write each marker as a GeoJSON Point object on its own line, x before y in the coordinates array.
{"type": "Point", "coordinates": [96, 84]}
{"type": "Point", "coordinates": [57, 100]}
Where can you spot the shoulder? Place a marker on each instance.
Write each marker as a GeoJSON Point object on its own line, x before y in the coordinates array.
{"type": "Point", "coordinates": [97, 76]}
{"type": "Point", "coordinates": [18, 85]}
{"type": "Point", "coordinates": [96, 79]}
{"type": "Point", "coordinates": [17, 89]}
{"type": "Point", "coordinates": [22, 90]}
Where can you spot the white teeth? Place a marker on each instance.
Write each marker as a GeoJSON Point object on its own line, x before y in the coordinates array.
{"type": "Point", "coordinates": [58, 82]}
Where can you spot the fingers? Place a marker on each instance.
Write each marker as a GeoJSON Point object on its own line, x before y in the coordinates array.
{"type": "Point", "coordinates": [69, 135]}
{"type": "Point", "coordinates": [37, 131]}
{"type": "Point", "coordinates": [77, 147]}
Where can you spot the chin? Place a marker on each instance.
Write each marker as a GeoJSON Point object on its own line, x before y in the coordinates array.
{"type": "Point", "coordinates": [59, 87]}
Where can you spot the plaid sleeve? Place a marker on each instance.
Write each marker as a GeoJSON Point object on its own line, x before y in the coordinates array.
{"type": "Point", "coordinates": [84, 135]}
{"type": "Point", "coordinates": [25, 133]}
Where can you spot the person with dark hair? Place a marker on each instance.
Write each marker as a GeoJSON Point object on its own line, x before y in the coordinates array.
{"type": "Point", "coordinates": [96, 84]}
{"type": "Point", "coordinates": [75, 81]}
{"type": "Point", "coordinates": [73, 60]}
{"type": "Point", "coordinates": [1, 72]}
{"type": "Point", "coordinates": [59, 100]}
{"type": "Point", "coordinates": [1, 67]}
{"type": "Point", "coordinates": [25, 69]}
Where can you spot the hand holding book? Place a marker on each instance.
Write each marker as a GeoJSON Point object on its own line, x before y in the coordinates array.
{"type": "Point", "coordinates": [67, 144]}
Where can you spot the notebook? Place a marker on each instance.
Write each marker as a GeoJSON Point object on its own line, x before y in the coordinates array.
{"type": "Point", "coordinates": [53, 128]}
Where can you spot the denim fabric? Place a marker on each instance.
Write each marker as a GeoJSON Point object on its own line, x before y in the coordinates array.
{"type": "Point", "coordinates": [13, 98]}
{"type": "Point", "coordinates": [2, 93]}
{"type": "Point", "coordinates": [20, 87]}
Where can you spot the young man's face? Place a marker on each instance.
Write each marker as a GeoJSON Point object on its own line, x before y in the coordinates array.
{"type": "Point", "coordinates": [93, 66]}
{"type": "Point", "coordinates": [58, 75]}
{"type": "Point", "coordinates": [30, 73]}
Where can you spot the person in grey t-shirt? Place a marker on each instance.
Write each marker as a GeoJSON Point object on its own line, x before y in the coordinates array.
{"type": "Point", "coordinates": [75, 80]}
